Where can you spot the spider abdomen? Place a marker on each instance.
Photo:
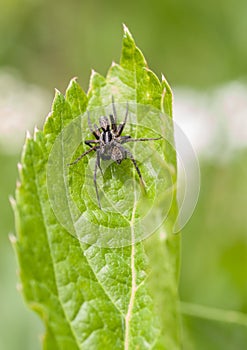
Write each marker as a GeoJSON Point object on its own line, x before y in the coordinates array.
{"type": "Point", "coordinates": [117, 154]}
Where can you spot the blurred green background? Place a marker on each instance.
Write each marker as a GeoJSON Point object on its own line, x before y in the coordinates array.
{"type": "Point", "coordinates": [199, 46]}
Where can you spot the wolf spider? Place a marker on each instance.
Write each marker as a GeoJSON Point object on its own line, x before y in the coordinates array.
{"type": "Point", "coordinates": [108, 144]}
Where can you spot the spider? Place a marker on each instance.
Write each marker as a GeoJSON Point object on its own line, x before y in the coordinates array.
{"type": "Point", "coordinates": [108, 144]}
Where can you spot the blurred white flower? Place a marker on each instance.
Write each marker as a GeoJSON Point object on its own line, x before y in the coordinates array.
{"type": "Point", "coordinates": [22, 106]}
{"type": "Point", "coordinates": [215, 121]}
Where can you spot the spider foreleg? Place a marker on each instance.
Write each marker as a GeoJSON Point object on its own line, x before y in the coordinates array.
{"type": "Point", "coordinates": [82, 155]}
{"type": "Point", "coordinates": [123, 139]}
{"type": "Point", "coordinates": [88, 142]}
{"type": "Point", "coordinates": [113, 123]}
{"type": "Point", "coordinates": [142, 139]}
{"type": "Point", "coordinates": [122, 125]}
{"type": "Point", "coordinates": [98, 161]}
{"type": "Point", "coordinates": [138, 172]}
{"type": "Point", "coordinates": [94, 131]}
{"type": "Point", "coordinates": [95, 180]}
{"type": "Point", "coordinates": [114, 112]}
{"type": "Point", "coordinates": [129, 155]}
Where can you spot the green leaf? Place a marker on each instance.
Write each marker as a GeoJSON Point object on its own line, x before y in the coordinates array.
{"type": "Point", "coordinates": [98, 296]}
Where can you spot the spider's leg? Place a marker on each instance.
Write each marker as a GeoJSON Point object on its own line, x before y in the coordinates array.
{"type": "Point", "coordinates": [82, 155]}
{"type": "Point", "coordinates": [123, 139]}
{"type": "Point", "coordinates": [142, 139]}
{"type": "Point", "coordinates": [122, 125]}
{"type": "Point", "coordinates": [114, 111]}
{"type": "Point", "coordinates": [98, 160]}
{"type": "Point", "coordinates": [94, 131]}
{"type": "Point", "coordinates": [88, 142]}
{"type": "Point", "coordinates": [131, 157]}
{"type": "Point", "coordinates": [95, 181]}
{"type": "Point", "coordinates": [113, 123]}
{"type": "Point", "coordinates": [138, 171]}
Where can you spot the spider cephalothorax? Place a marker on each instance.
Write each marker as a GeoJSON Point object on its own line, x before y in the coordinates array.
{"type": "Point", "coordinates": [108, 143]}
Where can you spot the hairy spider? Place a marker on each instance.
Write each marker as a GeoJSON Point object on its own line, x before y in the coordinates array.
{"type": "Point", "coordinates": [108, 144]}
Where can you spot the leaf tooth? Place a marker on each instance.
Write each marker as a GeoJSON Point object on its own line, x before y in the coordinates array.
{"type": "Point", "coordinates": [74, 79]}
{"type": "Point", "coordinates": [12, 202]}
{"type": "Point", "coordinates": [131, 56]}
{"type": "Point", "coordinates": [72, 82]}
{"type": "Point", "coordinates": [165, 83]}
{"type": "Point", "coordinates": [93, 76]}
{"type": "Point", "coordinates": [58, 102]}
{"type": "Point", "coordinates": [93, 72]}
{"type": "Point", "coordinates": [28, 135]}
{"type": "Point", "coordinates": [18, 184]}
{"type": "Point", "coordinates": [47, 117]}
{"type": "Point", "coordinates": [57, 98]}
{"type": "Point", "coordinates": [57, 92]}
{"type": "Point", "coordinates": [152, 75]}
{"type": "Point", "coordinates": [38, 135]}
{"type": "Point", "coordinates": [167, 97]}
{"type": "Point", "coordinates": [36, 130]}
{"type": "Point", "coordinates": [19, 287]}
{"type": "Point", "coordinates": [126, 31]}
{"type": "Point", "coordinates": [96, 80]}
{"type": "Point", "coordinates": [20, 168]}
{"type": "Point", "coordinates": [12, 238]}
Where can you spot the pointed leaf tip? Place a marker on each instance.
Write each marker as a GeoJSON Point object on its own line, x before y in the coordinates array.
{"type": "Point", "coordinates": [126, 31]}
{"type": "Point", "coordinates": [58, 96]}
{"type": "Point", "coordinates": [72, 81]}
{"type": "Point", "coordinates": [125, 27]}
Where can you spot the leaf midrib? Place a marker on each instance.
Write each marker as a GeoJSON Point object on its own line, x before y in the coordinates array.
{"type": "Point", "coordinates": [133, 271]}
